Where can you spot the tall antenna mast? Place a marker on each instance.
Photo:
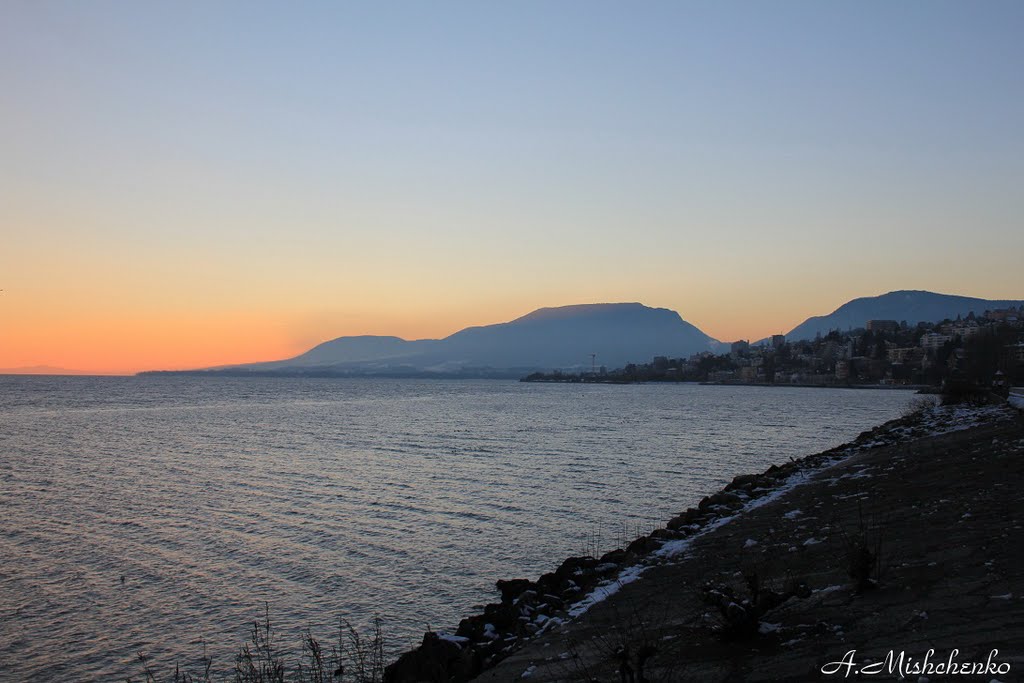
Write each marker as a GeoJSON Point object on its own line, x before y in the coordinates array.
{"type": "Point", "coordinates": [593, 363]}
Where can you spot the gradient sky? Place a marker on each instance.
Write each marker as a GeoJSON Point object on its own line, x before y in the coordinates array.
{"type": "Point", "coordinates": [191, 184]}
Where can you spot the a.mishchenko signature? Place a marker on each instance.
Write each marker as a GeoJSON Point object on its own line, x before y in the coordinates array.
{"type": "Point", "coordinates": [901, 664]}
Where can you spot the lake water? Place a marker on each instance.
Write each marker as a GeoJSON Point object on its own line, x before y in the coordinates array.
{"type": "Point", "coordinates": [325, 498]}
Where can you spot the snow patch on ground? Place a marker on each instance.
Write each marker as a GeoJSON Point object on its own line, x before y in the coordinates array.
{"type": "Point", "coordinates": [945, 419]}
{"type": "Point", "coordinates": [602, 593]}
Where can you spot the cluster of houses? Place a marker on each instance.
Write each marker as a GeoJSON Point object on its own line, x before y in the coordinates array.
{"type": "Point", "coordinates": [882, 352]}
{"type": "Point", "coordinates": [985, 350]}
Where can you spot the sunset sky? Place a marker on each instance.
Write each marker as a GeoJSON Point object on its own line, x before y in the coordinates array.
{"type": "Point", "coordinates": [193, 184]}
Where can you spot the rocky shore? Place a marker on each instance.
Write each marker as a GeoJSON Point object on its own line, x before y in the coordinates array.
{"type": "Point", "coordinates": [906, 539]}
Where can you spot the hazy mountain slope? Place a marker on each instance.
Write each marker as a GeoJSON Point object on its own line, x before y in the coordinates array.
{"type": "Point", "coordinates": [350, 350]}
{"type": "Point", "coordinates": [914, 306]}
{"type": "Point", "coordinates": [566, 336]}
{"type": "Point", "coordinates": [548, 338]}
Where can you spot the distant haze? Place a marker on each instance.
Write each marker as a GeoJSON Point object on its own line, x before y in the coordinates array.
{"type": "Point", "coordinates": [41, 370]}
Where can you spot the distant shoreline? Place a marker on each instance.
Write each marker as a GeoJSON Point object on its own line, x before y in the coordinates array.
{"type": "Point", "coordinates": [920, 388]}
{"type": "Point", "coordinates": [328, 374]}
{"type": "Point", "coordinates": [503, 376]}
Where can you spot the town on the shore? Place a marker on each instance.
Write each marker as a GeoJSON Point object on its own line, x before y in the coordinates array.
{"type": "Point", "coordinates": [976, 351]}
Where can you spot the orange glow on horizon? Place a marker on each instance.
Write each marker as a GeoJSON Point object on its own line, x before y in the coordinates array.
{"type": "Point", "coordinates": [126, 346]}
{"type": "Point", "coordinates": [134, 343]}
{"type": "Point", "coordinates": [111, 344]}
{"type": "Point", "coordinates": [60, 331]}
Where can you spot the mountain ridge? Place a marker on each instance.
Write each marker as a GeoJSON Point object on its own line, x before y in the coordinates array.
{"type": "Point", "coordinates": [575, 336]}
{"type": "Point", "coordinates": [911, 305]}
{"type": "Point", "coordinates": [558, 337]}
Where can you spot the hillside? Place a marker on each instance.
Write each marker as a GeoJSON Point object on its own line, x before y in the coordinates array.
{"type": "Point", "coordinates": [913, 306]}
{"type": "Point", "coordinates": [548, 338]}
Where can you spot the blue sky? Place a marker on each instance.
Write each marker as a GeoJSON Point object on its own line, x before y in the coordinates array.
{"type": "Point", "coordinates": [317, 169]}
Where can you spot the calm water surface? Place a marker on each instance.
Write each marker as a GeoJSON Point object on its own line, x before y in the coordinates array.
{"type": "Point", "coordinates": [340, 498]}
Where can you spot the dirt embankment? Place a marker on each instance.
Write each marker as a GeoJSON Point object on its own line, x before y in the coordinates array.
{"type": "Point", "coordinates": [902, 541]}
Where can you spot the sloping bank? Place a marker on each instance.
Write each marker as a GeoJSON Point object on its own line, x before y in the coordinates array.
{"type": "Point", "coordinates": [906, 538]}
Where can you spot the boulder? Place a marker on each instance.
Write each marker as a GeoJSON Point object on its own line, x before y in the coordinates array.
{"type": "Point", "coordinates": [742, 481]}
{"type": "Point", "coordinates": [511, 589]}
{"type": "Point", "coordinates": [665, 534]}
{"type": "Point", "coordinates": [615, 556]}
{"type": "Point", "coordinates": [643, 545]}
{"type": "Point", "coordinates": [436, 659]}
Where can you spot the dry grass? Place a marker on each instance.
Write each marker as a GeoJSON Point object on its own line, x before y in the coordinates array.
{"type": "Point", "coordinates": [351, 658]}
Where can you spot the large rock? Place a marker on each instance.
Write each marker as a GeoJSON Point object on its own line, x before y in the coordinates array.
{"type": "Point", "coordinates": [511, 589]}
{"type": "Point", "coordinates": [436, 660]}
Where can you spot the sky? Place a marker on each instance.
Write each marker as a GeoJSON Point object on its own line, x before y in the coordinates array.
{"type": "Point", "coordinates": [187, 184]}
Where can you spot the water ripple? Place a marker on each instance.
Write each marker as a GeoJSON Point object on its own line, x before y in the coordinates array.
{"type": "Point", "coordinates": [161, 514]}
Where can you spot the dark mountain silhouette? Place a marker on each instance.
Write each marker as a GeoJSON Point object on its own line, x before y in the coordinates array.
{"type": "Point", "coordinates": [914, 306]}
{"type": "Point", "coordinates": [548, 338]}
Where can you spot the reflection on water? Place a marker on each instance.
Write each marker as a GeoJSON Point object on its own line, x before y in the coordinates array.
{"type": "Point", "coordinates": [160, 514]}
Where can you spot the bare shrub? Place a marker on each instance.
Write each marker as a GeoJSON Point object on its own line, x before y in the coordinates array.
{"type": "Point", "coordinates": [352, 658]}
